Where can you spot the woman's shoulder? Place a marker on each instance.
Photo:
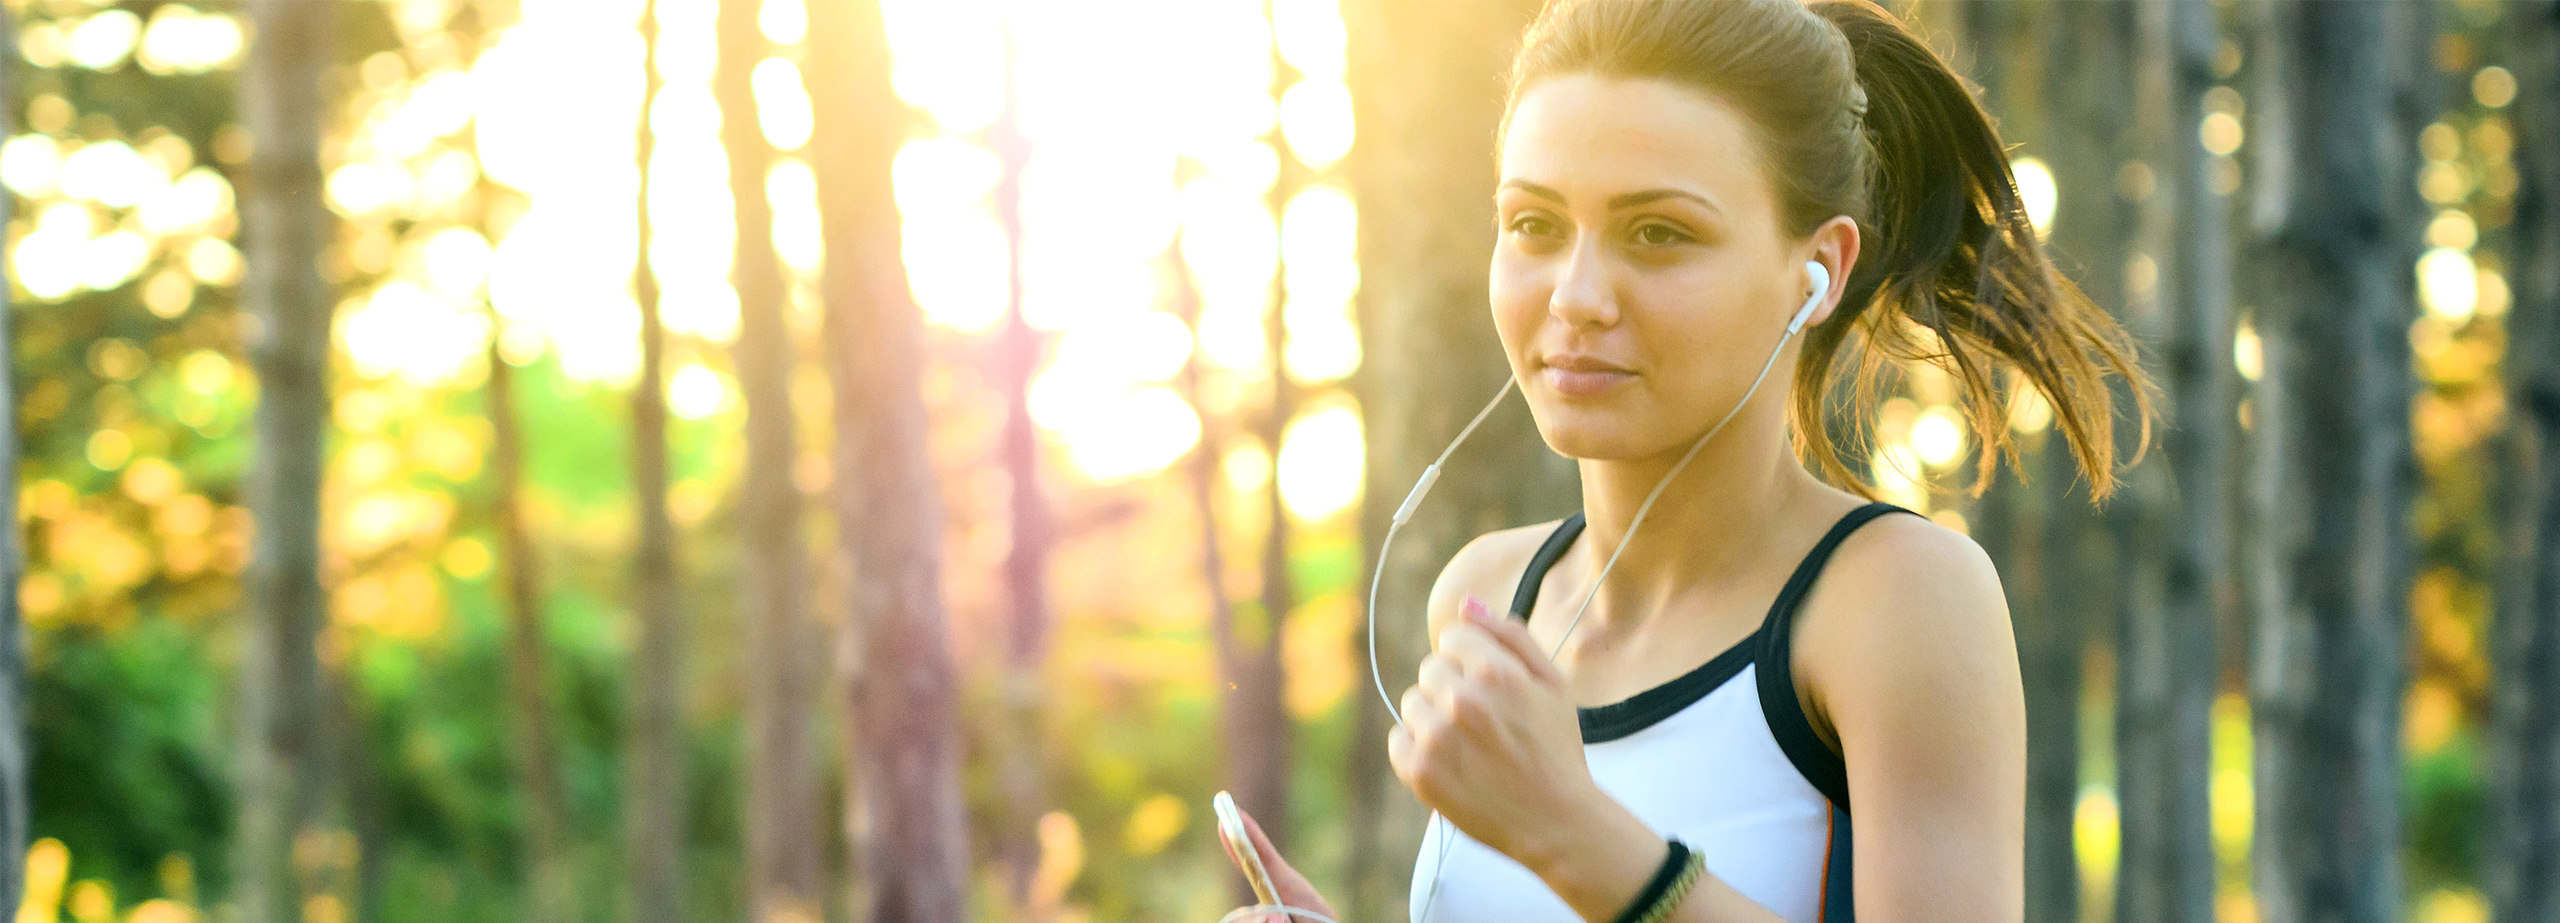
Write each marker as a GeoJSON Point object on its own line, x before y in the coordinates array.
{"type": "Point", "coordinates": [1904, 605]}
{"type": "Point", "coordinates": [1487, 567]}
{"type": "Point", "coordinates": [1900, 555]}
{"type": "Point", "coordinates": [1907, 574]}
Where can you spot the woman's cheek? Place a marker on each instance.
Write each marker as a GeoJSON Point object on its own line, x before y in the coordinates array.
{"type": "Point", "coordinates": [1517, 308]}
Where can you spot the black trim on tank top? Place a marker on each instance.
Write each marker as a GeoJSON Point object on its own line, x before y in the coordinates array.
{"type": "Point", "coordinates": [1838, 904]}
{"type": "Point", "coordinates": [1813, 759]}
{"type": "Point", "coordinates": [1604, 723]}
{"type": "Point", "coordinates": [1557, 542]}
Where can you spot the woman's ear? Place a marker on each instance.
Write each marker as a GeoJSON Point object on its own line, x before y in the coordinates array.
{"type": "Point", "coordinates": [1834, 244]}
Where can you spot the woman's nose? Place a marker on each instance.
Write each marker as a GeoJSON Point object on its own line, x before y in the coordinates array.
{"type": "Point", "coordinates": [1584, 294]}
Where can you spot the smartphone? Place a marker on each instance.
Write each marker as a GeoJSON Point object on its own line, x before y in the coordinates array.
{"type": "Point", "coordinates": [1240, 842]}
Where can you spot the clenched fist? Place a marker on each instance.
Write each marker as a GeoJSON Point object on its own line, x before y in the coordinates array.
{"type": "Point", "coordinates": [1491, 738]}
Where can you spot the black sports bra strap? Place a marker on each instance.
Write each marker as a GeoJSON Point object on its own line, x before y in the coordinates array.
{"type": "Point", "coordinates": [1783, 610]}
{"type": "Point", "coordinates": [1557, 541]}
{"type": "Point", "coordinates": [1778, 704]}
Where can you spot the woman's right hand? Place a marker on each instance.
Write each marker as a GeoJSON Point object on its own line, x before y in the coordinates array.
{"type": "Point", "coordinates": [1293, 887]}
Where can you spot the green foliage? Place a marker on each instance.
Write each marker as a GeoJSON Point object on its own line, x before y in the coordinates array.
{"type": "Point", "coordinates": [128, 750]}
{"type": "Point", "coordinates": [2446, 826]}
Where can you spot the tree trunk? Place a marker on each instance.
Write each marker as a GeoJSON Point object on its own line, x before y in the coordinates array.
{"type": "Point", "coordinates": [2039, 530]}
{"type": "Point", "coordinates": [2169, 668]}
{"type": "Point", "coordinates": [2270, 520]}
{"type": "Point", "coordinates": [2330, 658]}
{"type": "Point", "coordinates": [533, 751]}
{"type": "Point", "coordinates": [285, 228]}
{"type": "Point", "coordinates": [2027, 526]}
{"type": "Point", "coordinates": [528, 686]}
{"type": "Point", "coordinates": [1427, 94]}
{"type": "Point", "coordinates": [366, 812]}
{"type": "Point", "coordinates": [1026, 565]}
{"type": "Point", "coordinates": [654, 792]}
{"type": "Point", "coordinates": [909, 828]}
{"type": "Point", "coordinates": [2523, 875]}
{"type": "Point", "coordinates": [2065, 565]}
{"type": "Point", "coordinates": [1202, 468]}
{"type": "Point", "coordinates": [783, 846]}
{"type": "Point", "coordinates": [1257, 725]}
{"type": "Point", "coordinates": [535, 755]}
{"type": "Point", "coordinates": [13, 664]}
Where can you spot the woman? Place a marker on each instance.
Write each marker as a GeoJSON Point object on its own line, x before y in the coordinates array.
{"type": "Point", "coordinates": [1784, 669]}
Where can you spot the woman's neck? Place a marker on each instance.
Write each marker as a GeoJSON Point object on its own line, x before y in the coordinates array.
{"type": "Point", "coordinates": [1707, 527]}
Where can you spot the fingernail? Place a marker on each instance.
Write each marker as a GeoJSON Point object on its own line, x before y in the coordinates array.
{"type": "Point", "coordinates": [1474, 608]}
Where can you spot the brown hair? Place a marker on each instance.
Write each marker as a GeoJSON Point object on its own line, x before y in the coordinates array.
{"type": "Point", "coordinates": [1858, 117]}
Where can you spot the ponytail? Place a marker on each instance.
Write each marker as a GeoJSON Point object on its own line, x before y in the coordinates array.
{"type": "Point", "coordinates": [1955, 254]}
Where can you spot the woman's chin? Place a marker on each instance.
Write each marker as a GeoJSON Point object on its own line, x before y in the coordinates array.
{"type": "Point", "coordinates": [1588, 434]}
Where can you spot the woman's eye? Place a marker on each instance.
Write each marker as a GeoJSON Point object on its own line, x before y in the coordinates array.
{"type": "Point", "coordinates": [1658, 235]}
{"type": "Point", "coordinates": [1531, 225]}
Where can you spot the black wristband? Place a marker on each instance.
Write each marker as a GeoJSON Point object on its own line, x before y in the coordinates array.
{"type": "Point", "coordinates": [1672, 861]}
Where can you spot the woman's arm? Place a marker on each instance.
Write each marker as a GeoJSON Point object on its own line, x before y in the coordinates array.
{"type": "Point", "coordinates": [1912, 668]}
{"type": "Point", "coordinates": [1612, 859]}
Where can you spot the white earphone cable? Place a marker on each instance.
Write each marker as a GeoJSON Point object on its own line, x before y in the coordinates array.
{"type": "Point", "coordinates": [1404, 511]}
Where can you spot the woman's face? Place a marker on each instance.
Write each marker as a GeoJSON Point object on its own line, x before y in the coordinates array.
{"type": "Point", "coordinates": [1641, 277]}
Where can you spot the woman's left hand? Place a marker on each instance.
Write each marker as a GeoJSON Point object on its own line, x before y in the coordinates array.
{"type": "Point", "coordinates": [1491, 738]}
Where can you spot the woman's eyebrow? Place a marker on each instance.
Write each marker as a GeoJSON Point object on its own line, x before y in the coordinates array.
{"type": "Point", "coordinates": [1532, 189]}
{"type": "Point", "coordinates": [1633, 199]}
{"type": "Point", "coordinates": [1622, 200]}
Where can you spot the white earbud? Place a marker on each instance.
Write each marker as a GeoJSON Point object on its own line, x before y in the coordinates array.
{"type": "Point", "coordinates": [1821, 287]}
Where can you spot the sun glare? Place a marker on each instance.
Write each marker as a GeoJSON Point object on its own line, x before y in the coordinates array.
{"type": "Point", "coordinates": [2038, 192]}
{"type": "Point", "coordinates": [1321, 463]}
{"type": "Point", "coordinates": [1143, 175]}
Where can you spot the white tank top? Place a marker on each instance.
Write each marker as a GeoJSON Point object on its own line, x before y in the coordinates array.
{"type": "Point", "coordinates": [1721, 757]}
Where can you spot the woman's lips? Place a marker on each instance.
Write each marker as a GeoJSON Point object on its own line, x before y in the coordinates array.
{"type": "Point", "coordinates": [1584, 382]}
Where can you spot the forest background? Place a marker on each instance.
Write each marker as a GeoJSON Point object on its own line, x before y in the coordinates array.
{"type": "Point", "coordinates": [904, 475]}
